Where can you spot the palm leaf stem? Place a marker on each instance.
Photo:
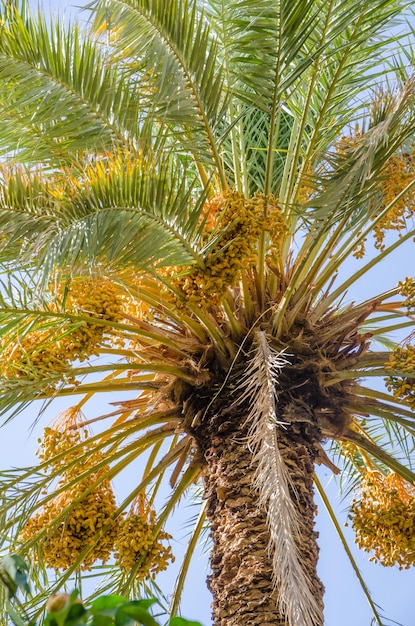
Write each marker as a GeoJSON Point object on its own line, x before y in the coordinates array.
{"type": "Point", "coordinates": [392, 306]}
{"type": "Point", "coordinates": [164, 336]}
{"type": "Point", "coordinates": [88, 396]}
{"type": "Point", "coordinates": [124, 352]}
{"type": "Point", "coordinates": [152, 298]}
{"type": "Point", "coordinates": [373, 359]}
{"type": "Point", "coordinates": [135, 424]}
{"type": "Point", "coordinates": [215, 333]}
{"type": "Point", "coordinates": [310, 264]}
{"type": "Point", "coordinates": [392, 328]}
{"type": "Point", "coordinates": [398, 312]}
{"type": "Point", "coordinates": [374, 393]}
{"type": "Point", "coordinates": [374, 401]}
{"type": "Point", "coordinates": [233, 118]}
{"type": "Point", "coordinates": [249, 309]}
{"type": "Point", "coordinates": [206, 321]}
{"type": "Point", "coordinates": [184, 458]}
{"type": "Point", "coordinates": [306, 268]}
{"type": "Point", "coordinates": [113, 436]}
{"type": "Point", "coordinates": [151, 331]}
{"type": "Point", "coordinates": [184, 567]}
{"type": "Point", "coordinates": [160, 368]}
{"type": "Point", "coordinates": [384, 414]}
{"type": "Point", "coordinates": [334, 521]}
{"type": "Point", "coordinates": [365, 373]}
{"type": "Point", "coordinates": [235, 325]}
{"type": "Point", "coordinates": [285, 180]}
{"type": "Point", "coordinates": [352, 315]}
{"type": "Point", "coordinates": [151, 460]}
{"type": "Point", "coordinates": [275, 103]}
{"type": "Point", "coordinates": [242, 149]}
{"type": "Point", "coordinates": [204, 178]}
{"type": "Point", "coordinates": [100, 387]}
{"type": "Point", "coordinates": [355, 315]}
{"type": "Point", "coordinates": [261, 274]}
{"type": "Point", "coordinates": [342, 257]}
{"type": "Point", "coordinates": [376, 451]}
{"type": "Point", "coordinates": [168, 459]}
{"type": "Point", "coordinates": [152, 457]}
{"type": "Point", "coordinates": [191, 474]}
{"type": "Point", "coordinates": [376, 303]}
{"type": "Point", "coordinates": [128, 384]}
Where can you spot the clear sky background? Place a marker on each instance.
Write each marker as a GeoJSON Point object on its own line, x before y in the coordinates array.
{"type": "Point", "coordinates": [345, 603]}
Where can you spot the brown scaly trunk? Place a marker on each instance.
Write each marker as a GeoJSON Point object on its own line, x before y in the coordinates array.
{"type": "Point", "coordinates": [241, 578]}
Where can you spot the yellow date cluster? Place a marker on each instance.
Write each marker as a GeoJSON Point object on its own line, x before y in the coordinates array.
{"type": "Point", "coordinates": [97, 298]}
{"type": "Point", "coordinates": [46, 352]}
{"type": "Point", "coordinates": [56, 447]}
{"type": "Point", "coordinates": [402, 359]}
{"type": "Point", "coordinates": [138, 549]}
{"type": "Point", "coordinates": [383, 518]}
{"type": "Point", "coordinates": [398, 173]}
{"type": "Point", "coordinates": [86, 530]}
{"type": "Point", "coordinates": [407, 289]}
{"type": "Point", "coordinates": [241, 220]}
{"type": "Point", "coordinates": [82, 523]}
{"type": "Point", "coordinates": [82, 514]}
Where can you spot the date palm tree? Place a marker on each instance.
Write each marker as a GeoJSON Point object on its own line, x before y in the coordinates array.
{"type": "Point", "coordinates": [183, 187]}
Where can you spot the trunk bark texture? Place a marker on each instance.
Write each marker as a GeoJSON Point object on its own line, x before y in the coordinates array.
{"type": "Point", "coordinates": [241, 577]}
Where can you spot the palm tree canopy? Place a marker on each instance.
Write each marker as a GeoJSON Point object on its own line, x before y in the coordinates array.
{"type": "Point", "coordinates": [181, 187]}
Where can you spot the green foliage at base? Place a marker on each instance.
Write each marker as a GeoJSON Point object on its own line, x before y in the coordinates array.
{"type": "Point", "coordinates": [63, 609]}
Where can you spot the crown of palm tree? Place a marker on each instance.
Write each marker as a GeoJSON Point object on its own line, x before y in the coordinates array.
{"type": "Point", "coordinates": [181, 186]}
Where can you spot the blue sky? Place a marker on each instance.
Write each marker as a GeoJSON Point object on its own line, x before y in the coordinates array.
{"type": "Point", "coordinates": [345, 603]}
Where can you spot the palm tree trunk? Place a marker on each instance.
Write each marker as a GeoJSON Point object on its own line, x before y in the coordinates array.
{"type": "Point", "coordinates": [241, 578]}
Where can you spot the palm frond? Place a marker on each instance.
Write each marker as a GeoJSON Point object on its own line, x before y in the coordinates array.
{"type": "Point", "coordinates": [59, 94]}
{"type": "Point", "coordinates": [356, 171]}
{"type": "Point", "coordinates": [171, 47]}
{"type": "Point", "coordinates": [117, 213]}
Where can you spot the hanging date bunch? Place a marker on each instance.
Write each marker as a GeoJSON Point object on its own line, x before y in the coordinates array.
{"type": "Point", "coordinates": [407, 289]}
{"type": "Point", "coordinates": [393, 201]}
{"type": "Point", "coordinates": [402, 359]}
{"type": "Point", "coordinates": [239, 221]}
{"type": "Point", "coordinates": [397, 175]}
{"type": "Point", "coordinates": [139, 547]}
{"type": "Point", "coordinates": [79, 523]}
{"type": "Point", "coordinates": [47, 351]}
{"type": "Point", "coordinates": [383, 518]}
{"type": "Point", "coordinates": [96, 298]}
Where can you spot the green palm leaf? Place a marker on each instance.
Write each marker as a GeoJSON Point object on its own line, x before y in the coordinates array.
{"type": "Point", "coordinates": [59, 94]}
{"type": "Point", "coordinates": [158, 41]}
